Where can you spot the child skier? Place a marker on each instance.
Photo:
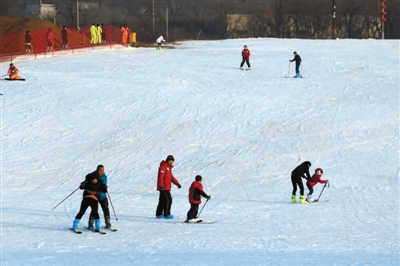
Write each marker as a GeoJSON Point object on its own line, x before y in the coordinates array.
{"type": "Point", "coordinates": [316, 178]}
{"type": "Point", "coordinates": [195, 191]}
{"type": "Point", "coordinates": [245, 58]}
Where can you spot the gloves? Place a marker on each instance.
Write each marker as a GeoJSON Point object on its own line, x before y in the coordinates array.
{"type": "Point", "coordinates": [105, 188]}
{"type": "Point", "coordinates": [179, 186]}
{"type": "Point", "coordinates": [209, 197]}
{"type": "Point", "coordinates": [83, 184]}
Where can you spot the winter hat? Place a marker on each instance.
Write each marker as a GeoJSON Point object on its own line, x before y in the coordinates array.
{"type": "Point", "coordinates": [170, 157]}
{"type": "Point", "coordinates": [319, 169]}
{"type": "Point", "coordinates": [198, 178]}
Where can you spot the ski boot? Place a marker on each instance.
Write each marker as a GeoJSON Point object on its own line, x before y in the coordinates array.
{"type": "Point", "coordinates": [108, 223]}
{"type": "Point", "coordinates": [309, 198]}
{"type": "Point", "coordinates": [294, 199]}
{"type": "Point", "coordinates": [90, 223]}
{"type": "Point", "coordinates": [169, 217]}
{"type": "Point", "coordinates": [249, 68]}
{"type": "Point", "coordinates": [298, 75]}
{"type": "Point", "coordinates": [97, 225]}
{"type": "Point", "coordinates": [75, 224]}
{"type": "Point", "coordinates": [302, 201]}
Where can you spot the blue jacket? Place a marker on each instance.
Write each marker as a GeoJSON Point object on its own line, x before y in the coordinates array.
{"type": "Point", "coordinates": [101, 194]}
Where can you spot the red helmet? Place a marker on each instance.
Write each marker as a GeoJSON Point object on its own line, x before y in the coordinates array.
{"type": "Point", "coordinates": [320, 170]}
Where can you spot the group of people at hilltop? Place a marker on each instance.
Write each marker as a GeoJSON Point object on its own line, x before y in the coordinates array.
{"type": "Point", "coordinates": [95, 188]}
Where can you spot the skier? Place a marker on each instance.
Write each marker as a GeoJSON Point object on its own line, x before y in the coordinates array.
{"type": "Point", "coordinates": [297, 174]}
{"type": "Point", "coordinates": [195, 191]}
{"type": "Point", "coordinates": [316, 178]}
{"type": "Point", "coordinates": [297, 58]}
{"type": "Point", "coordinates": [92, 185]}
{"type": "Point", "coordinates": [98, 32]}
{"type": "Point", "coordinates": [64, 35]}
{"type": "Point", "coordinates": [125, 32]}
{"type": "Point", "coordinates": [165, 178]}
{"type": "Point", "coordinates": [13, 72]}
{"type": "Point", "coordinates": [101, 196]}
{"type": "Point", "coordinates": [159, 41]}
{"type": "Point", "coordinates": [246, 58]}
{"type": "Point", "coordinates": [28, 39]}
{"type": "Point", "coordinates": [93, 34]}
{"type": "Point", "coordinates": [50, 40]}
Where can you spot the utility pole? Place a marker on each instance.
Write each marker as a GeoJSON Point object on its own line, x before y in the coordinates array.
{"type": "Point", "coordinates": [154, 25]}
{"type": "Point", "coordinates": [77, 14]}
{"type": "Point", "coordinates": [333, 19]}
{"type": "Point", "coordinates": [166, 22]}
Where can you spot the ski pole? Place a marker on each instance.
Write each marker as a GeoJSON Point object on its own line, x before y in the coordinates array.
{"type": "Point", "coordinates": [322, 191]}
{"type": "Point", "coordinates": [66, 198]}
{"type": "Point", "coordinates": [108, 195]}
{"type": "Point", "coordinates": [288, 69]}
{"type": "Point", "coordinates": [202, 209]}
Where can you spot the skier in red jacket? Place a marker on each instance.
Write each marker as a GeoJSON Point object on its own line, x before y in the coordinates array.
{"type": "Point", "coordinates": [316, 178]}
{"type": "Point", "coordinates": [165, 178]}
{"type": "Point", "coordinates": [195, 191]}
{"type": "Point", "coordinates": [246, 58]}
{"type": "Point", "coordinates": [50, 40]}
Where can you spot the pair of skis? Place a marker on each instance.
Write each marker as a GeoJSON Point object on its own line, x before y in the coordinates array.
{"type": "Point", "coordinates": [93, 230]}
{"type": "Point", "coordinates": [14, 79]}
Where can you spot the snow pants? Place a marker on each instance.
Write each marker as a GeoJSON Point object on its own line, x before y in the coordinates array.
{"type": "Point", "coordinates": [297, 68]}
{"type": "Point", "coordinates": [104, 207]}
{"type": "Point", "coordinates": [296, 181]}
{"type": "Point", "coordinates": [247, 60]}
{"type": "Point", "coordinates": [86, 203]}
{"type": "Point", "coordinates": [310, 188]}
{"type": "Point", "coordinates": [164, 203]}
{"type": "Point", "coordinates": [192, 213]}
{"type": "Point", "coordinates": [15, 76]}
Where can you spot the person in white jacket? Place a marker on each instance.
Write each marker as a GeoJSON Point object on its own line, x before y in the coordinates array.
{"type": "Point", "coordinates": [159, 41]}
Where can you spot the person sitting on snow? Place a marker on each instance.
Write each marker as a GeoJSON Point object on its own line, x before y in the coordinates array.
{"type": "Point", "coordinates": [316, 178]}
{"type": "Point", "coordinates": [13, 72]}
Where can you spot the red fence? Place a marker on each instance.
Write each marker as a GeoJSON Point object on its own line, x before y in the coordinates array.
{"type": "Point", "coordinates": [13, 44]}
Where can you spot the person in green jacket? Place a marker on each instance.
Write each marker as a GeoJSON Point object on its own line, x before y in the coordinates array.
{"type": "Point", "coordinates": [93, 33]}
{"type": "Point", "coordinates": [99, 31]}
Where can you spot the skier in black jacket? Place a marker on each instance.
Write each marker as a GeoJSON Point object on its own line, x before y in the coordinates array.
{"type": "Point", "coordinates": [91, 186]}
{"type": "Point", "coordinates": [297, 58]}
{"type": "Point", "coordinates": [301, 171]}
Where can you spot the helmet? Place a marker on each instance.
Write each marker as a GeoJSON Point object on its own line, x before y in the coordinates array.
{"type": "Point", "coordinates": [320, 170]}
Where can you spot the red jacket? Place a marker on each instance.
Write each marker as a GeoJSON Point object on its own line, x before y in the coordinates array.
{"type": "Point", "coordinates": [28, 38]}
{"type": "Point", "coordinates": [246, 53]}
{"type": "Point", "coordinates": [316, 179]}
{"type": "Point", "coordinates": [50, 36]}
{"type": "Point", "coordinates": [195, 190]}
{"type": "Point", "coordinates": [165, 177]}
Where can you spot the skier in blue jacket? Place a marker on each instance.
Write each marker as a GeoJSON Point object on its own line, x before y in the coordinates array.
{"type": "Point", "coordinates": [102, 197]}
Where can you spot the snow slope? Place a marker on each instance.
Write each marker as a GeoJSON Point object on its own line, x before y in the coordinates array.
{"type": "Point", "coordinates": [243, 131]}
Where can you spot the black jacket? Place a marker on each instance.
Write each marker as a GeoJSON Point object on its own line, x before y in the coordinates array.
{"type": "Point", "coordinates": [302, 169]}
{"type": "Point", "coordinates": [297, 59]}
{"type": "Point", "coordinates": [89, 186]}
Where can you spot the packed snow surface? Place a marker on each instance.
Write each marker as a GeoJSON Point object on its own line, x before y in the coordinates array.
{"type": "Point", "coordinates": [243, 131]}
